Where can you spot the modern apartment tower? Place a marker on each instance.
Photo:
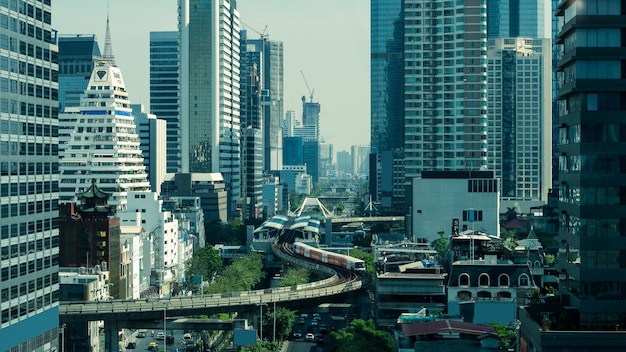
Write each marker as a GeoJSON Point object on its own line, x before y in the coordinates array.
{"type": "Point", "coordinates": [592, 162]}
{"type": "Point", "coordinates": [29, 177]}
{"type": "Point", "coordinates": [210, 92]}
{"type": "Point", "coordinates": [520, 116]}
{"type": "Point", "coordinates": [99, 141]}
{"type": "Point", "coordinates": [78, 54]}
{"type": "Point", "coordinates": [445, 89]}
{"type": "Point", "coordinates": [164, 91]}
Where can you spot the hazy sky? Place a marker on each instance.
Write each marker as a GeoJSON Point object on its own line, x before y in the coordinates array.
{"type": "Point", "coordinates": [328, 40]}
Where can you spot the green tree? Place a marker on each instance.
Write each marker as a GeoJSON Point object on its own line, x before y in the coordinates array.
{"type": "Point", "coordinates": [362, 336]}
{"type": "Point", "coordinates": [242, 275]}
{"type": "Point", "coordinates": [285, 319]}
{"type": "Point", "coordinates": [295, 276]}
{"type": "Point", "coordinates": [204, 263]}
{"type": "Point", "coordinates": [440, 245]}
{"type": "Point", "coordinates": [506, 334]}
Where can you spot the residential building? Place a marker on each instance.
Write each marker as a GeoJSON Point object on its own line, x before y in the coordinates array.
{"type": "Point", "coordinates": [344, 163]}
{"type": "Point", "coordinates": [132, 240]}
{"type": "Point", "coordinates": [29, 177]}
{"type": "Point", "coordinates": [455, 201]}
{"type": "Point", "coordinates": [387, 97]}
{"type": "Point", "coordinates": [209, 92]}
{"type": "Point", "coordinates": [519, 111]}
{"type": "Point", "coordinates": [445, 90]}
{"type": "Point", "coordinates": [145, 210]}
{"type": "Point", "coordinates": [99, 141]}
{"type": "Point", "coordinates": [152, 136]}
{"type": "Point", "coordinates": [78, 54]}
{"type": "Point", "coordinates": [296, 178]}
{"type": "Point", "coordinates": [164, 92]}
{"type": "Point", "coordinates": [189, 208]}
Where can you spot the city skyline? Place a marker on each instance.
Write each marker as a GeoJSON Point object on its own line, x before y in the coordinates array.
{"type": "Point", "coordinates": [332, 54]}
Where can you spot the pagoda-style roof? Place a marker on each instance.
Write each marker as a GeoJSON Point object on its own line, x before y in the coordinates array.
{"type": "Point", "coordinates": [93, 192]}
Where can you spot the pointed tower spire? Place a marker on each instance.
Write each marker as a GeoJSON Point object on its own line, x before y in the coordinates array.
{"type": "Point", "coordinates": [109, 58]}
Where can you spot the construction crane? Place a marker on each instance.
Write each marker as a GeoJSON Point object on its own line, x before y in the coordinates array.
{"type": "Point", "coordinates": [307, 87]}
{"type": "Point", "coordinates": [263, 34]}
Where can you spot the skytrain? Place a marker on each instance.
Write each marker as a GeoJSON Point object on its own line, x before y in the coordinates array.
{"type": "Point", "coordinates": [320, 255]}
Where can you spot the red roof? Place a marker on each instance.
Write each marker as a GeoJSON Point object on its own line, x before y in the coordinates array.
{"type": "Point", "coordinates": [433, 327]}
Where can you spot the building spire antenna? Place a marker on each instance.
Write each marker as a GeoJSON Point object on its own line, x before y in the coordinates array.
{"type": "Point", "coordinates": [109, 58]}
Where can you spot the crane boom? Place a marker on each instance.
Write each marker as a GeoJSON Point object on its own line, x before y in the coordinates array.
{"type": "Point", "coordinates": [307, 86]}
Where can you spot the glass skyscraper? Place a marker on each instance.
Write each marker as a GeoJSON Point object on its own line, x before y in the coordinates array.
{"type": "Point", "coordinates": [517, 18]}
{"type": "Point", "coordinates": [386, 184]}
{"type": "Point", "coordinates": [78, 54]}
{"type": "Point", "coordinates": [210, 69]}
{"type": "Point", "coordinates": [164, 88]}
{"type": "Point", "coordinates": [29, 177]}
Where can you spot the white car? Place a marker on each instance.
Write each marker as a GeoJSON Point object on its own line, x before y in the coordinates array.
{"type": "Point", "coordinates": [309, 337]}
{"type": "Point", "coordinates": [161, 336]}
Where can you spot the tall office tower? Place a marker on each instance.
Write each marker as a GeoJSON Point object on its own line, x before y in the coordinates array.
{"type": "Point", "coordinates": [78, 54]}
{"type": "Point", "coordinates": [360, 159]}
{"type": "Point", "coordinates": [164, 90]}
{"type": "Point", "coordinates": [517, 18]}
{"type": "Point", "coordinates": [210, 92]}
{"type": "Point", "coordinates": [152, 135]}
{"type": "Point", "coordinates": [445, 93]}
{"type": "Point", "coordinates": [519, 115]}
{"type": "Point", "coordinates": [292, 150]}
{"type": "Point", "coordinates": [592, 136]}
{"type": "Point", "coordinates": [271, 67]}
{"type": "Point", "coordinates": [344, 163]}
{"type": "Point", "coordinates": [387, 101]}
{"type": "Point", "coordinates": [311, 158]}
{"type": "Point", "coordinates": [99, 141]}
{"type": "Point", "coordinates": [327, 167]}
{"type": "Point", "coordinates": [29, 177]}
{"type": "Point", "coordinates": [311, 119]}
{"type": "Point", "coordinates": [251, 130]}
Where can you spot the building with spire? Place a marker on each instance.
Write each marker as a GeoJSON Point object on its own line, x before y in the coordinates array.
{"type": "Point", "coordinates": [210, 92]}
{"type": "Point", "coordinates": [99, 141]}
{"type": "Point", "coordinates": [29, 178]}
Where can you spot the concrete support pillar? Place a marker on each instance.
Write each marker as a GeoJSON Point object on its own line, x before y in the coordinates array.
{"type": "Point", "coordinates": [111, 337]}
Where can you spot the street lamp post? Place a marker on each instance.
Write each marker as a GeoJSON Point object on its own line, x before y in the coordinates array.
{"type": "Point", "coordinates": [261, 320]}
{"type": "Point", "coordinates": [63, 337]}
{"type": "Point", "coordinates": [165, 328]}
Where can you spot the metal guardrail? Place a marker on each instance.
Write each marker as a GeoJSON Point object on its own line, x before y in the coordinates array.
{"type": "Point", "coordinates": [282, 294]}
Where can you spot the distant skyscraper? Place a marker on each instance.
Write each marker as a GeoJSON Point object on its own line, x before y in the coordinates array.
{"type": "Point", "coordinates": [77, 57]}
{"type": "Point", "coordinates": [360, 159]}
{"type": "Point", "coordinates": [29, 178]}
{"type": "Point", "coordinates": [517, 18]}
{"type": "Point", "coordinates": [445, 91]}
{"type": "Point", "coordinates": [344, 162]}
{"type": "Point", "coordinates": [592, 164]}
{"type": "Point", "coordinates": [99, 139]}
{"type": "Point", "coordinates": [311, 158]}
{"type": "Point", "coordinates": [290, 123]}
{"type": "Point", "coordinates": [164, 91]}
{"type": "Point", "coordinates": [292, 150]}
{"type": "Point", "coordinates": [520, 116]}
{"type": "Point", "coordinates": [311, 119]}
{"type": "Point", "coordinates": [210, 91]}
{"type": "Point", "coordinates": [251, 129]}
{"type": "Point", "coordinates": [152, 135]}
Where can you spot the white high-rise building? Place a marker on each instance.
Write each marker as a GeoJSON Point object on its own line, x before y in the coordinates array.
{"type": "Point", "coordinates": [445, 81]}
{"type": "Point", "coordinates": [520, 116]}
{"type": "Point", "coordinates": [99, 141]}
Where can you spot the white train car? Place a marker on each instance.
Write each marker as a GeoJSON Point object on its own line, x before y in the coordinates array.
{"type": "Point", "coordinates": [320, 255]}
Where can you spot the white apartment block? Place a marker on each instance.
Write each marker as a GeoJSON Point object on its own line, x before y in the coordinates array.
{"type": "Point", "coordinates": [519, 132]}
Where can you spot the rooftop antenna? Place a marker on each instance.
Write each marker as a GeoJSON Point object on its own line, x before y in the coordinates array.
{"type": "Point", "coordinates": [108, 56]}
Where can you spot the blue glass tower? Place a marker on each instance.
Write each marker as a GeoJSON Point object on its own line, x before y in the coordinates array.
{"type": "Point", "coordinates": [517, 18]}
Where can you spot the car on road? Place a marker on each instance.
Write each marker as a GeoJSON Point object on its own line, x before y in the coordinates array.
{"type": "Point", "coordinates": [300, 321]}
{"type": "Point", "coordinates": [314, 323]}
{"type": "Point", "coordinates": [141, 333]}
{"type": "Point", "coordinates": [131, 346]}
{"type": "Point", "coordinates": [160, 335]}
{"type": "Point", "coordinates": [153, 345]}
{"type": "Point", "coordinates": [309, 337]}
{"type": "Point", "coordinates": [297, 334]}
